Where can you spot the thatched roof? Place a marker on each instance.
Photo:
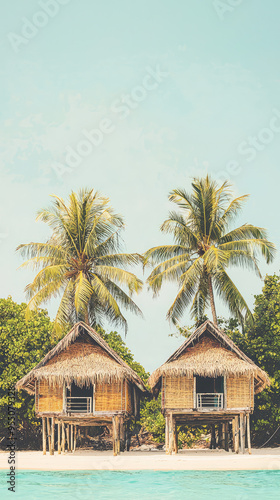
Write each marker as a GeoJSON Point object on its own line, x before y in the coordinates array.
{"type": "Point", "coordinates": [83, 357]}
{"type": "Point", "coordinates": [209, 352]}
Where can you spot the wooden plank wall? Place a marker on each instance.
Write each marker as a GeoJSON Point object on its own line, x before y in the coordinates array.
{"type": "Point", "coordinates": [178, 392]}
{"type": "Point", "coordinates": [239, 392]}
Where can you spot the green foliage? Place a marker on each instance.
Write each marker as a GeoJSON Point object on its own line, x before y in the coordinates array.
{"type": "Point", "coordinates": [116, 342]}
{"type": "Point", "coordinates": [261, 342]}
{"type": "Point", "coordinates": [152, 420]}
{"type": "Point", "coordinates": [82, 262]}
{"type": "Point", "coordinates": [205, 246]}
{"type": "Point", "coordinates": [22, 345]}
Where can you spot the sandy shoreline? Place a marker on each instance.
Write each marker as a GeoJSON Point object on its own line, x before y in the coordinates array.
{"type": "Point", "coordinates": [265, 459]}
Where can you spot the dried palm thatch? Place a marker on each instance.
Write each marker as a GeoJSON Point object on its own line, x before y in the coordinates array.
{"type": "Point", "coordinates": [83, 357]}
{"type": "Point", "coordinates": [213, 355]}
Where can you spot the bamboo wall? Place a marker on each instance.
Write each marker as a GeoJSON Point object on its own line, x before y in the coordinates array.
{"type": "Point", "coordinates": [114, 397]}
{"type": "Point", "coordinates": [107, 397]}
{"type": "Point", "coordinates": [177, 392]}
{"type": "Point", "coordinates": [49, 398]}
{"type": "Point", "coordinates": [240, 392]}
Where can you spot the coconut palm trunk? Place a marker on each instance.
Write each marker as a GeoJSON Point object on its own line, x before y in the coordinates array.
{"type": "Point", "coordinates": [86, 320]}
{"type": "Point", "coordinates": [212, 300]}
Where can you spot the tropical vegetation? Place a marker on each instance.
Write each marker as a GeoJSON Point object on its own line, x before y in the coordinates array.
{"type": "Point", "coordinates": [261, 342]}
{"type": "Point", "coordinates": [205, 247]}
{"type": "Point", "coordinates": [82, 262]}
{"type": "Point", "coordinates": [22, 345]}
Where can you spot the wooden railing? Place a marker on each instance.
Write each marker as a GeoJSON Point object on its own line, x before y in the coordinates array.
{"type": "Point", "coordinates": [78, 405]}
{"type": "Point", "coordinates": [208, 400]}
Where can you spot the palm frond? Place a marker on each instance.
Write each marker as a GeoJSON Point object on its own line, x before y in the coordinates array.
{"type": "Point", "coordinates": [230, 294]}
{"type": "Point", "coordinates": [120, 276]}
{"type": "Point", "coordinates": [189, 281]}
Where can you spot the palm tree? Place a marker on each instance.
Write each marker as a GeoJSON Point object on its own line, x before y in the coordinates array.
{"type": "Point", "coordinates": [204, 248]}
{"type": "Point", "coordinates": [82, 263]}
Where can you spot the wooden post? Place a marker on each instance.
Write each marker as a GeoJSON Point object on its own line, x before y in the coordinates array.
{"type": "Point", "coordinates": [127, 437]}
{"type": "Point", "coordinates": [63, 437]}
{"type": "Point", "coordinates": [171, 434]}
{"type": "Point", "coordinates": [244, 431]}
{"type": "Point", "coordinates": [233, 435]}
{"type": "Point", "coordinates": [166, 434]}
{"type": "Point", "coordinates": [75, 438]}
{"type": "Point", "coordinates": [122, 434]}
{"type": "Point", "coordinates": [220, 435]}
{"type": "Point", "coordinates": [242, 435]}
{"type": "Point", "coordinates": [44, 435]}
{"type": "Point", "coordinates": [49, 434]}
{"type": "Point", "coordinates": [71, 434]}
{"type": "Point", "coordinates": [67, 437]}
{"type": "Point", "coordinates": [249, 434]}
{"type": "Point", "coordinates": [114, 436]}
{"type": "Point", "coordinates": [223, 440]}
{"type": "Point", "coordinates": [226, 437]}
{"type": "Point", "coordinates": [59, 437]}
{"type": "Point", "coordinates": [236, 426]}
{"type": "Point", "coordinates": [118, 435]}
{"type": "Point", "coordinates": [52, 436]}
{"type": "Point", "coordinates": [213, 437]}
{"type": "Point", "coordinates": [175, 437]}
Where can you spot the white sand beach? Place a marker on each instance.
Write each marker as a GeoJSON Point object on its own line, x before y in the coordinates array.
{"type": "Point", "coordinates": [264, 459]}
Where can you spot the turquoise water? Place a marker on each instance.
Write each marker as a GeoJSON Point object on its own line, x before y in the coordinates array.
{"type": "Point", "coordinates": [142, 485]}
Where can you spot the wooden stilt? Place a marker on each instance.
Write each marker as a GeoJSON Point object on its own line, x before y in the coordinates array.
{"type": "Point", "coordinates": [171, 435]}
{"type": "Point", "coordinates": [220, 435]}
{"type": "Point", "coordinates": [236, 426]}
{"type": "Point", "coordinates": [242, 435]}
{"type": "Point", "coordinates": [59, 437]}
{"type": "Point", "coordinates": [249, 434]}
{"type": "Point", "coordinates": [115, 452]}
{"type": "Point", "coordinates": [175, 437]}
{"type": "Point", "coordinates": [167, 434]}
{"type": "Point", "coordinates": [75, 438]}
{"type": "Point", "coordinates": [213, 437]}
{"type": "Point", "coordinates": [226, 436]}
{"type": "Point", "coordinates": [118, 435]}
{"type": "Point", "coordinates": [63, 437]}
{"type": "Point", "coordinates": [78, 435]}
{"type": "Point", "coordinates": [127, 437]}
{"type": "Point", "coordinates": [122, 434]}
{"type": "Point", "coordinates": [223, 441]}
{"type": "Point", "coordinates": [71, 438]}
{"type": "Point", "coordinates": [44, 435]}
{"type": "Point", "coordinates": [233, 435]}
{"type": "Point", "coordinates": [52, 436]}
{"type": "Point", "coordinates": [49, 434]}
{"type": "Point", "coordinates": [68, 437]}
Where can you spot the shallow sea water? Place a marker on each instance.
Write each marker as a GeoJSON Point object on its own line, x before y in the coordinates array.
{"type": "Point", "coordinates": [154, 485]}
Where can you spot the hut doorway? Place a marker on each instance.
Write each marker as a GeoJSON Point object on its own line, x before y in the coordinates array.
{"type": "Point", "coordinates": [79, 399]}
{"type": "Point", "coordinates": [209, 392]}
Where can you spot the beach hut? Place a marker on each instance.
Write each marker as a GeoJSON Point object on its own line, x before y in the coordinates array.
{"type": "Point", "coordinates": [209, 381]}
{"type": "Point", "coordinates": [83, 382]}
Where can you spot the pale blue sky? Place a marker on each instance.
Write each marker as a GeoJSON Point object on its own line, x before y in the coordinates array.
{"type": "Point", "coordinates": [216, 89]}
